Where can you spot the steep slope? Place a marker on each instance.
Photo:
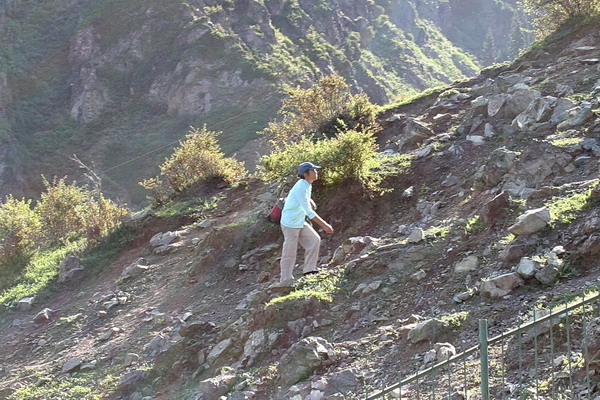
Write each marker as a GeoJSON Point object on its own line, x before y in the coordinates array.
{"type": "Point", "coordinates": [119, 82]}
{"type": "Point", "coordinates": [191, 315]}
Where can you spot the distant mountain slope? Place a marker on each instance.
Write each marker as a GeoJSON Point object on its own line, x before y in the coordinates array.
{"type": "Point", "coordinates": [112, 81]}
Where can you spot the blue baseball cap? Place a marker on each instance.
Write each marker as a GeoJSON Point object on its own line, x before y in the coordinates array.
{"type": "Point", "coordinates": [305, 166]}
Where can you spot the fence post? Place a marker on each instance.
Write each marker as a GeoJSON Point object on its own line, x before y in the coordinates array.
{"type": "Point", "coordinates": [483, 358]}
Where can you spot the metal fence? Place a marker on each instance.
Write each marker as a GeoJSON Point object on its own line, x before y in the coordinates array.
{"type": "Point", "coordinates": [551, 357]}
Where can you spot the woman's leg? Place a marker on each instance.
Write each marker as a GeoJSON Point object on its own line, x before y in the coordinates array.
{"type": "Point", "coordinates": [288, 252]}
{"type": "Point", "coordinates": [311, 241]}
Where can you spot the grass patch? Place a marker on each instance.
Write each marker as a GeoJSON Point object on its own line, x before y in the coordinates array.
{"type": "Point", "coordinates": [506, 240]}
{"type": "Point", "coordinates": [42, 270]}
{"type": "Point", "coordinates": [397, 164]}
{"type": "Point", "coordinates": [178, 208]}
{"type": "Point", "coordinates": [564, 142]}
{"type": "Point", "coordinates": [439, 232]}
{"type": "Point", "coordinates": [87, 386]}
{"type": "Point", "coordinates": [407, 100]}
{"type": "Point", "coordinates": [456, 319]}
{"type": "Point", "coordinates": [565, 209]}
{"type": "Point", "coordinates": [105, 251]}
{"type": "Point", "coordinates": [37, 278]}
{"type": "Point", "coordinates": [474, 225]}
{"type": "Point", "coordinates": [321, 286]}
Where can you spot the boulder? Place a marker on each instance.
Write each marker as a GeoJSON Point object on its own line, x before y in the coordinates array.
{"type": "Point", "coordinates": [302, 359]}
{"type": "Point", "coordinates": [537, 163]}
{"type": "Point", "coordinates": [466, 265]}
{"type": "Point", "coordinates": [531, 221]}
{"type": "Point", "coordinates": [71, 365]}
{"type": "Point", "coordinates": [214, 388]}
{"type": "Point", "coordinates": [342, 382]}
{"type": "Point", "coordinates": [163, 238]}
{"type": "Point", "coordinates": [547, 275]}
{"type": "Point", "coordinates": [502, 285]}
{"type": "Point", "coordinates": [539, 110]}
{"type": "Point", "coordinates": [197, 328]}
{"type": "Point", "coordinates": [527, 268]}
{"type": "Point", "coordinates": [495, 104]}
{"type": "Point", "coordinates": [25, 304]}
{"type": "Point", "coordinates": [518, 101]}
{"type": "Point", "coordinates": [413, 134]}
{"type": "Point", "coordinates": [496, 209]}
{"type": "Point", "coordinates": [43, 316]}
{"type": "Point", "coordinates": [416, 235]}
{"type": "Point", "coordinates": [427, 330]}
{"type": "Point", "coordinates": [590, 249]}
{"type": "Point", "coordinates": [219, 349]}
{"type": "Point", "coordinates": [578, 117]}
{"type": "Point", "coordinates": [500, 162]}
{"type": "Point", "coordinates": [69, 267]}
{"type": "Point", "coordinates": [134, 270]}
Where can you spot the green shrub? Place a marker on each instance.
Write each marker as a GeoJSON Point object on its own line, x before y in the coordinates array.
{"type": "Point", "coordinates": [349, 156]}
{"type": "Point", "coordinates": [67, 210]}
{"type": "Point", "coordinates": [61, 209]}
{"type": "Point", "coordinates": [102, 217]}
{"type": "Point", "coordinates": [197, 159]}
{"type": "Point", "coordinates": [549, 15]}
{"type": "Point", "coordinates": [322, 110]}
{"type": "Point", "coordinates": [20, 228]}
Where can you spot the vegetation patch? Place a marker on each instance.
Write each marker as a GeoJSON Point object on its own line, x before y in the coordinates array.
{"type": "Point", "coordinates": [565, 209]}
{"type": "Point", "coordinates": [42, 270]}
{"type": "Point", "coordinates": [85, 386]}
{"type": "Point", "coordinates": [348, 157]}
{"type": "Point", "coordinates": [438, 232]}
{"type": "Point", "coordinates": [322, 110]}
{"type": "Point", "coordinates": [474, 225]}
{"type": "Point", "coordinates": [565, 142]}
{"type": "Point", "coordinates": [197, 159]}
{"type": "Point", "coordinates": [456, 319]}
{"type": "Point", "coordinates": [322, 286]}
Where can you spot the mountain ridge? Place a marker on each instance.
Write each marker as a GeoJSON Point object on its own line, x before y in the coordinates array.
{"type": "Point", "coordinates": [111, 73]}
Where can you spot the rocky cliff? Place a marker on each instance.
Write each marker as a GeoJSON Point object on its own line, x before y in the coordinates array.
{"type": "Point", "coordinates": [112, 80]}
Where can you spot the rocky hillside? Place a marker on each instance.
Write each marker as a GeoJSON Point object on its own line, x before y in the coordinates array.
{"type": "Point", "coordinates": [118, 82]}
{"type": "Point", "coordinates": [497, 212]}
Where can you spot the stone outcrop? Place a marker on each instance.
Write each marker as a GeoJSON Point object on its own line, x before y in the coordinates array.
{"type": "Point", "coordinates": [530, 222]}
{"type": "Point", "coordinates": [303, 358]}
{"type": "Point", "coordinates": [502, 285]}
{"type": "Point", "coordinates": [430, 330]}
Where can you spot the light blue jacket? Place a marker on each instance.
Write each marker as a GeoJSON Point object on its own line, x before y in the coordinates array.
{"type": "Point", "coordinates": [297, 205]}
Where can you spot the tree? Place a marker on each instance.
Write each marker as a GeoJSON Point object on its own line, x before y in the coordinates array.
{"type": "Point", "coordinates": [489, 50]}
{"type": "Point", "coordinates": [517, 38]}
{"type": "Point", "coordinates": [548, 15]}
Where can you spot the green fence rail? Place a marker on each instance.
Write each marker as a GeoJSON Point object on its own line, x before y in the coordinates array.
{"type": "Point", "coordinates": [546, 358]}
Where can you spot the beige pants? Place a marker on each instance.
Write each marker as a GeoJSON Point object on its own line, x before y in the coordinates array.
{"type": "Point", "coordinates": [309, 239]}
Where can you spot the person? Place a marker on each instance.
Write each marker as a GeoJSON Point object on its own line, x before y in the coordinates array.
{"type": "Point", "coordinates": [296, 229]}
